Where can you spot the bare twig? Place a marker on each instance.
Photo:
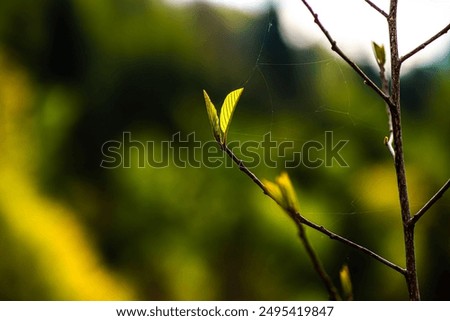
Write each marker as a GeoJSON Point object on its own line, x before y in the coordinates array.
{"type": "Point", "coordinates": [242, 167]}
{"type": "Point", "coordinates": [373, 5]}
{"type": "Point", "coordinates": [399, 162]}
{"type": "Point", "coordinates": [332, 291]}
{"type": "Point", "coordinates": [430, 203]}
{"type": "Point", "coordinates": [336, 49]}
{"type": "Point", "coordinates": [299, 219]}
{"type": "Point", "coordinates": [426, 43]}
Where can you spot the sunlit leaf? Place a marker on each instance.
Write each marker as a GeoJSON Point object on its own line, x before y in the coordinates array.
{"type": "Point", "coordinates": [287, 190]}
{"type": "Point", "coordinates": [213, 118]}
{"type": "Point", "coordinates": [282, 191]}
{"type": "Point", "coordinates": [273, 190]}
{"type": "Point", "coordinates": [226, 113]}
{"type": "Point", "coordinates": [344, 275]}
{"type": "Point", "coordinates": [380, 54]}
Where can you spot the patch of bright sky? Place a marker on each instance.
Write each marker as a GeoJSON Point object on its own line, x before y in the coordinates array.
{"type": "Point", "coordinates": [354, 24]}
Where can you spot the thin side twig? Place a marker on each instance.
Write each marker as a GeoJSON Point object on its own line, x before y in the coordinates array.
{"type": "Point", "coordinates": [430, 203]}
{"type": "Point", "coordinates": [350, 62]}
{"type": "Point", "coordinates": [242, 167]}
{"type": "Point", "coordinates": [299, 219]}
{"type": "Point", "coordinates": [426, 43]}
{"type": "Point", "coordinates": [318, 267]}
{"type": "Point", "coordinates": [373, 5]}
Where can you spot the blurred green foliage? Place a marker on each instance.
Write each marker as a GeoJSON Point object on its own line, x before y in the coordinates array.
{"type": "Point", "coordinates": [76, 74]}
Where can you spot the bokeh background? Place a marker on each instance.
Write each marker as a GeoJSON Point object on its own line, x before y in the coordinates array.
{"type": "Point", "coordinates": [76, 74]}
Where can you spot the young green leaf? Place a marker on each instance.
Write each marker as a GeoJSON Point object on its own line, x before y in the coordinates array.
{"type": "Point", "coordinates": [282, 192]}
{"type": "Point", "coordinates": [226, 113]}
{"type": "Point", "coordinates": [273, 190]}
{"type": "Point", "coordinates": [380, 54]}
{"type": "Point", "coordinates": [284, 182]}
{"type": "Point", "coordinates": [213, 119]}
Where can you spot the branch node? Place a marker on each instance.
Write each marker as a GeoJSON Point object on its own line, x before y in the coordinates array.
{"type": "Point", "coordinates": [333, 45]}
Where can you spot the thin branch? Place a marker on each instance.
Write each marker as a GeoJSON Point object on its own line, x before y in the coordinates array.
{"type": "Point", "coordinates": [399, 161]}
{"type": "Point", "coordinates": [430, 203]}
{"type": "Point", "coordinates": [242, 167]}
{"type": "Point", "coordinates": [373, 5]}
{"type": "Point", "coordinates": [299, 219]}
{"type": "Point", "coordinates": [350, 62]}
{"type": "Point", "coordinates": [426, 43]}
{"type": "Point", "coordinates": [332, 291]}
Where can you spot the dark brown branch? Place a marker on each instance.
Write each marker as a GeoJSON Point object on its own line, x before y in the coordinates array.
{"type": "Point", "coordinates": [242, 167]}
{"type": "Point", "coordinates": [430, 203]}
{"type": "Point", "coordinates": [298, 219]}
{"type": "Point", "coordinates": [426, 43]}
{"type": "Point", "coordinates": [350, 62]}
{"type": "Point", "coordinates": [373, 5]}
{"type": "Point", "coordinates": [399, 161]}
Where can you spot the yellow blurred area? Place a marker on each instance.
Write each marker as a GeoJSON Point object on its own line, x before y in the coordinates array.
{"type": "Point", "coordinates": [377, 189]}
{"type": "Point", "coordinates": [170, 217]}
{"type": "Point", "coordinates": [377, 186]}
{"type": "Point", "coordinates": [59, 250]}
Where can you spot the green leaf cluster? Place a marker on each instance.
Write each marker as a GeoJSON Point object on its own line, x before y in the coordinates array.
{"type": "Point", "coordinates": [220, 127]}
